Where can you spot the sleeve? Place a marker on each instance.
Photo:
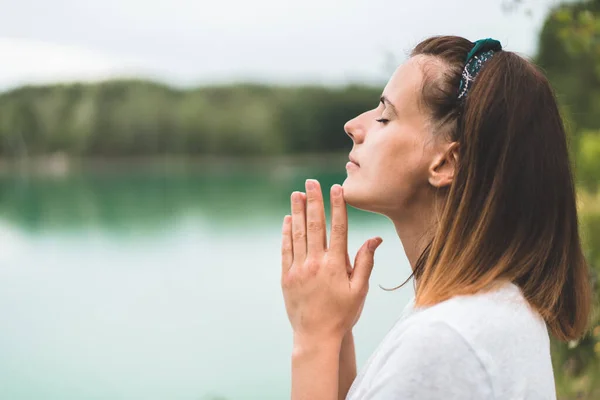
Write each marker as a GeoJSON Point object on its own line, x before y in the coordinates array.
{"type": "Point", "coordinates": [431, 361]}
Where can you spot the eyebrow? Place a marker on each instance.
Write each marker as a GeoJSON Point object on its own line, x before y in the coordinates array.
{"type": "Point", "coordinates": [387, 103]}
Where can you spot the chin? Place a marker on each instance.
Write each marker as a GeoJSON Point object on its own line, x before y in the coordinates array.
{"type": "Point", "coordinates": [364, 197]}
{"type": "Point", "coordinates": [357, 195]}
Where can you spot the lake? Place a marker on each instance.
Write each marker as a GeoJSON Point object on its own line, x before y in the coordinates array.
{"type": "Point", "coordinates": [162, 283]}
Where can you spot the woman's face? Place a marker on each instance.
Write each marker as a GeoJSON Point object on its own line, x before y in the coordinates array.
{"type": "Point", "coordinates": [393, 146]}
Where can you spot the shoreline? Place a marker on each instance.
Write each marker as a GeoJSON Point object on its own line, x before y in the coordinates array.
{"type": "Point", "coordinates": [62, 165]}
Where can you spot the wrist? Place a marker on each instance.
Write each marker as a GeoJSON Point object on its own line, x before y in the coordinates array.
{"type": "Point", "coordinates": [304, 345]}
{"type": "Point", "coordinates": [348, 336]}
{"type": "Point", "coordinates": [347, 342]}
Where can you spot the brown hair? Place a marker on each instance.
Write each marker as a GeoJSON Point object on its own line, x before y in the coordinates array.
{"type": "Point", "coordinates": [510, 213]}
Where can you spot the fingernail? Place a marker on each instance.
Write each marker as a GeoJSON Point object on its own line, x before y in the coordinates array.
{"type": "Point", "coordinates": [336, 190]}
{"type": "Point", "coordinates": [373, 244]}
{"type": "Point", "coordinates": [310, 184]}
{"type": "Point", "coordinates": [296, 197]}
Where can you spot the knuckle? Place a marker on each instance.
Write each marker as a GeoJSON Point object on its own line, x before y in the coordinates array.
{"type": "Point", "coordinates": [287, 281]}
{"type": "Point", "coordinates": [299, 235]}
{"type": "Point", "coordinates": [338, 229]}
{"type": "Point", "coordinates": [286, 249]}
{"type": "Point", "coordinates": [312, 199]}
{"type": "Point", "coordinates": [314, 226]}
{"type": "Point", "coordinates": [337, 202]}
{"type": "Point", "coordinates": [311, 266]}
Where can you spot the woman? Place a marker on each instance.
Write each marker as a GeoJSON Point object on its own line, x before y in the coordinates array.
{"type": "Point", "coordinates": [466, 154]}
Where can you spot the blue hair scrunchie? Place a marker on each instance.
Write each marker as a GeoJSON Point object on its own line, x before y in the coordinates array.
{"type": "Point", "coordinates": [482, 51]}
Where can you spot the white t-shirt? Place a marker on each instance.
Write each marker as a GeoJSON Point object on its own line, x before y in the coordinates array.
{"type": "Point", "coordinates": [484, 346]}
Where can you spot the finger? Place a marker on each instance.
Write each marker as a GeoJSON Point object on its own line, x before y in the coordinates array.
{"type": "Point", "coordinates": [365, 259]}
{"type": "Point", "coordinates": [298, 227]}
{"type": "Point", "coordinates": [315, 218]}
{"type": "Point", "coordinates": [338, 242]}
{"type": "Point", "coordinates": [287, 249]}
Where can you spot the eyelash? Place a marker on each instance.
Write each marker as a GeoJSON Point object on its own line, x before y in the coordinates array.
{"type": "Point", "coordinates": [383, 120]}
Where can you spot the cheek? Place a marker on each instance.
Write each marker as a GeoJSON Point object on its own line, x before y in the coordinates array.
{"type": "Point", "coordinates": [390, 173]}
{"type": "Point", "coordinates": [398, 159]}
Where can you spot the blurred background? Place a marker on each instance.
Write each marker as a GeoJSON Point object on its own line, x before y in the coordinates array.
{"type": "Point", "coordinates": [148, 150]}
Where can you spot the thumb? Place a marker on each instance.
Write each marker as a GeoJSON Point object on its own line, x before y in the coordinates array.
{"type": "Point", "coordinates": [365, 259]}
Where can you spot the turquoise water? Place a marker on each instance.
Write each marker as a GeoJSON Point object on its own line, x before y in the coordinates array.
{"type": "Point", "coordinates": [156, 284]}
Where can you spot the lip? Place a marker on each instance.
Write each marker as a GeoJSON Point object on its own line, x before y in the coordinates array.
{"type": "Point", "coordinates": [353, 160]}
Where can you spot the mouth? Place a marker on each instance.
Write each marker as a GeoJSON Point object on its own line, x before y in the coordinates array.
{"type": "Point", "coordinates": [353, 160]}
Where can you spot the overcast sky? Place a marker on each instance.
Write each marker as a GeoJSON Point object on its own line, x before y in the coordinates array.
{"type": "Point", "coordinates": [192, 42]}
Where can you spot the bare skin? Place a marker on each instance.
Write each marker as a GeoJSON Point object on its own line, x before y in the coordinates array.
{"type": "Point", "coordinates": [399, 162]}
{"type": "Point", "coordinates": [308, 266]}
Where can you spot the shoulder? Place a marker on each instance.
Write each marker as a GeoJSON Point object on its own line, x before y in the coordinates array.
{"type": "Point", "coordinates": [485, 316]}
{"type": "Point", "coordinates": [468, 347]}
{"type": "Point", "coordinates": [434, 361]}
{"type": "Point", "coordinates": [499, 329]}
{"type": "Point", "coordinates": [432, 341]}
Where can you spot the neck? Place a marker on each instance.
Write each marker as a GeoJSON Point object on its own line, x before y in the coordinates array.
{"type": "Point", "coordinates": [414, 228]}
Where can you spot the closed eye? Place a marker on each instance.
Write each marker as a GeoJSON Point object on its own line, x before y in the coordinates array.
{"type": "Point", "coordinates": [383, 120]}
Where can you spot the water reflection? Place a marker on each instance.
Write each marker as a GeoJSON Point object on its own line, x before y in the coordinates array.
{"type": "Point", "coordinates": [155, 284]}
{"type": "Point", "coordinates": [147, 200]}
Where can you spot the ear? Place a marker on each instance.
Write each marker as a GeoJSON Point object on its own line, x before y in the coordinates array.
{"type": "Point", "coordinates": [444, 166]}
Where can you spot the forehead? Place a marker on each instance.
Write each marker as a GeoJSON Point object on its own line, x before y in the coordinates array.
{"type": "Point", "coordinates": [404, 87]}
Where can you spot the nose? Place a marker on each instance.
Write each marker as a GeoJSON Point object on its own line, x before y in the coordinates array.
{"type": "Point", "coordinates": [354, 130]}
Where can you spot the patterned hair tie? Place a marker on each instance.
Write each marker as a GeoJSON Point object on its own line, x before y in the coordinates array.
{"type": "Point", "coordinates": [482, 51]}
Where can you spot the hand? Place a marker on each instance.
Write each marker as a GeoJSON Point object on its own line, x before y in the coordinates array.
{"type": "Point", "coordinates": [323, 294]}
